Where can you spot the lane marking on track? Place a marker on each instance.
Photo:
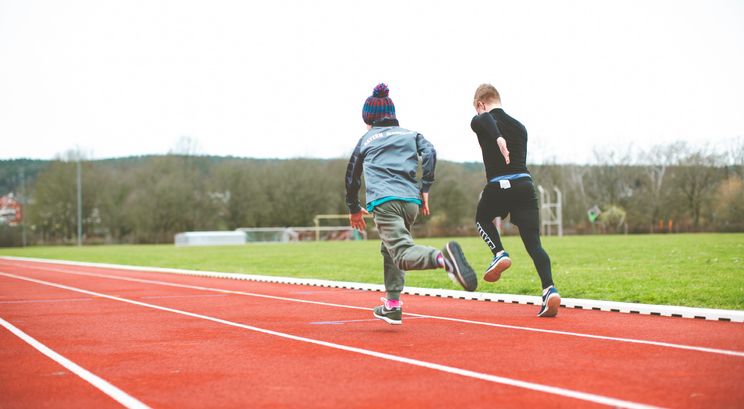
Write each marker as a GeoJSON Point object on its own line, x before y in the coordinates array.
{"type": "Point", "coordinates": [154, 297]}
{"type": "Point", "coordinates": [309, 292]}
{"type": "Point", "coordinates": [409, 314]}
{"type": "Point", "coordinates": [112, 391]}
{"type": "Point", "coordinates": [46, 301]}
{"type": "Point", "coordinates": [710, 314]}
{"type": "Point", "coordinates": [554, 390]}
{"type": "Point", "coordinates": [341, 322]}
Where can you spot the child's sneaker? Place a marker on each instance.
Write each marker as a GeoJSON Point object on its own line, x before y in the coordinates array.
{"type": "Point", "coordinates": [458, 268]}
{"type": "Point", "coordinates": [391, 311]}
{"type": "Point", "coordinates": [500, 263]}
{"type": "Point", "coordinates": [551, 300]}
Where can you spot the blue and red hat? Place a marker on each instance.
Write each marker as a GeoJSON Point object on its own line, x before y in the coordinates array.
{"type": "Point", "coordinates": [378, 106]}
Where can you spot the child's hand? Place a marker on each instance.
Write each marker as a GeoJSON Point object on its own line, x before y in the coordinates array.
{"type": "Point", "coordinates": [425, 204]}
{"type": "Point", "coordinates": [357, 220]}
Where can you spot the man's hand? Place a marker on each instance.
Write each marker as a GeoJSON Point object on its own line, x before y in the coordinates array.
{"type": "Point", "coordinates": [357, 220]}
{"type": "Point", "coordinates": [425, 204]}
{"type": "Point", "coordinates": [502, 147]}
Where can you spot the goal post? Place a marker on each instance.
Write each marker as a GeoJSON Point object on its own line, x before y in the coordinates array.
{"type": "Point", "coordinates": [345, 217]}
{"type": "Point", "coordinates": [551, 213]}
{"type": "Point", "coordinates": [295, 234]}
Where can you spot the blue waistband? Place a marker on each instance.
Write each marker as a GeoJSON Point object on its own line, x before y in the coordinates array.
{"type": "Point", "coordinates": [510, 177]}
{"type": "Point", "coordinates": [371, 205]}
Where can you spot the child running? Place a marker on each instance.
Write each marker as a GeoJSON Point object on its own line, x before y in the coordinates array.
{"type": "Point", "coordinates": [503, 142]}
{"type": "Point", "coordinates": [388, 155]}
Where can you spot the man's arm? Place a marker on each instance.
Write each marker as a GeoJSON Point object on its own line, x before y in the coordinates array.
{"type": "Point", "coordinates": [428, 166]}
{"type": "Point", "coordinates": [485, 124]}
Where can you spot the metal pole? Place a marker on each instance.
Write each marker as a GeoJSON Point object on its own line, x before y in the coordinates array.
{"type": "Point", "coordinates": [317, 228]}
{"type": "Point", "coordinates": [559, 210]}
{"type": "Point", "coordinates": [79, 206]}
{"type": "Point", "coordinates": [23, 209]}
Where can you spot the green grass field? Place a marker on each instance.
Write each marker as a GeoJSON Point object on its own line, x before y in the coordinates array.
{"type": "Point", "coordinates": [697, 270]}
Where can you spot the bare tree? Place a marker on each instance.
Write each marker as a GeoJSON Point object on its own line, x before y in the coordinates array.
{"type": "Point", "coordinates": [729, 204]}
{"type": "Point", "coordinates": [696, 177]}
{"type": "Point", "coordinates": [611, 179]}
{"type": "Point", "coordinates": [657, 161]}
{"type": "Point", "coordinates": [736, 156]}
{"type": "Point", "coordinates": [186, 146]}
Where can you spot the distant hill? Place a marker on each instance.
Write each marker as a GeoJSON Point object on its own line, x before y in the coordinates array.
{"type": "Point", "coordinates": [12, 169]}
{"type": "Point", "coordinates": [11, 172]}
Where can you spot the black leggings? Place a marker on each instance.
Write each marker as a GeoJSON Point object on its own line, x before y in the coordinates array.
{"type": "Point", "coordinates": [519, 200]}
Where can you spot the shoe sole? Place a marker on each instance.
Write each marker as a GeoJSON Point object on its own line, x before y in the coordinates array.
{"type": "Point", "coordinates": [388, 320]}
{"type": "Point", "coordinates": [554, 301]}
{"type": "Point", "coordinates": [494, 273]}
{"type": "Point", "coordinates": [467, 278]}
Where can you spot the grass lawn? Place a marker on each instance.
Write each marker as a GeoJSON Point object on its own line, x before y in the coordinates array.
{"type": "Point", "coordinates": [696, 270]}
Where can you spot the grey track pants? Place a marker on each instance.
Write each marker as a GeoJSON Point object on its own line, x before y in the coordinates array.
{"type": "Point", "coordinates": [394, 220]}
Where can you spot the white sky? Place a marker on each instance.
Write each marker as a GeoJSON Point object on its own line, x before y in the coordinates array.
{"type": "Point", "coordinates": [288, 78]}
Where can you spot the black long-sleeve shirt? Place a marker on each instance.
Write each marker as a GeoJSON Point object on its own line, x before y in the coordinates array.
{"type": "Point", "coordinates": [489, 126]}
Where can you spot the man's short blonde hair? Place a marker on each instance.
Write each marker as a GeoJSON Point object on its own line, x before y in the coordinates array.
{"type": "Point", "coordinates": [486, 93]}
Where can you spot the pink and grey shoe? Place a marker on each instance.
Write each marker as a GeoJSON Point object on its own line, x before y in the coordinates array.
{"type": "Point", "coordinates": [391, 311]}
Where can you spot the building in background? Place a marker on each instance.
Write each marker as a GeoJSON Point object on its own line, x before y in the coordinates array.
{"type": "Point", "coordinates": [11, 211]}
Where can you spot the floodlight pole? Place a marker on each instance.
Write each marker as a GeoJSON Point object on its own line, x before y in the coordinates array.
{"type": "Point", "coordinates": [79, 206]}
{"type": "Point", "coordinates": [23, 209]}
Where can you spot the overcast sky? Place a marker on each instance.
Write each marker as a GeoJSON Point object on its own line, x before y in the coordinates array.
{"type": "Point", "coordinates": [288, 78]}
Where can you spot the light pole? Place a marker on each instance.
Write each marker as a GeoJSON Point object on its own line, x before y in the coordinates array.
{"type": "Point", "coordinates": [79, 206]}
{"type": "Point", "coordinates": [24, 202]}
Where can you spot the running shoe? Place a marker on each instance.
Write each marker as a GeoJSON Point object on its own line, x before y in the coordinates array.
{"type": "Point", "coordinates": [551, 300]}
{"type": "Point", "coordinates": [500, 263]}
{"type": "Point", "coordinates": [388, 313]}
{"type": "Point", "coordinates": [457, 267]}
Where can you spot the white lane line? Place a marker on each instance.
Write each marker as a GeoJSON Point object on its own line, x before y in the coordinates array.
{"type": "Point", "coordinates": [459, 320]}
{"type": "Point", "coordinates": [589, 397]}
{"type": "Point", "coordinates": [341, 322]}
{"type": "Point", "coordinates": [45, 301]}
{"type": "Point", "coordinates": [575, 303]}
{"type": "Point", "coordinates": [182, 296]}
{"type": "Point", "coordinates": [112, 391]}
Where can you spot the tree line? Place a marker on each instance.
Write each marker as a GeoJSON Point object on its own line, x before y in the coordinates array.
{"type": "Point", "coordinates": [672, 188]}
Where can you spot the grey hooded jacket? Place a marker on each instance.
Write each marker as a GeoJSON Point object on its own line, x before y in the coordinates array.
{"type": "Point", "coordinates": [389, 157]}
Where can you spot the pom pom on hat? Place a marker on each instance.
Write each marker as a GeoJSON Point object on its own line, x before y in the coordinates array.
{"type": "Point", "coordinates": [379, 105]}
{"type": "Point", "coordinates": [381, 91]}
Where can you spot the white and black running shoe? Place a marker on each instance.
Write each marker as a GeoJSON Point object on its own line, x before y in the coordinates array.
{"type": "Point", "coordinates": [500, 263]}
{"type": "Point", "coordinates": [551, 300]}
{"type": "Point", "coordinates": [458, 268]}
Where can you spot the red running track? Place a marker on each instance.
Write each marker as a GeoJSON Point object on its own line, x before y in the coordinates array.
{"type": "Point", "coordinates": [168, 340]}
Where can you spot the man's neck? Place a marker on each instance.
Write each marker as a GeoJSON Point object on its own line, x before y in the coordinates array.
{"type": "Point", "coordinates": [490, 107]}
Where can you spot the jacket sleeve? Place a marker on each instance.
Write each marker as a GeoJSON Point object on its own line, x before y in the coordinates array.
{"type": "Point", "coordinates": [428, 161]}
{"type": "Point", "coordinates": [485, 126]}
{"type": "Point", "coordinates": [353, 179]}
